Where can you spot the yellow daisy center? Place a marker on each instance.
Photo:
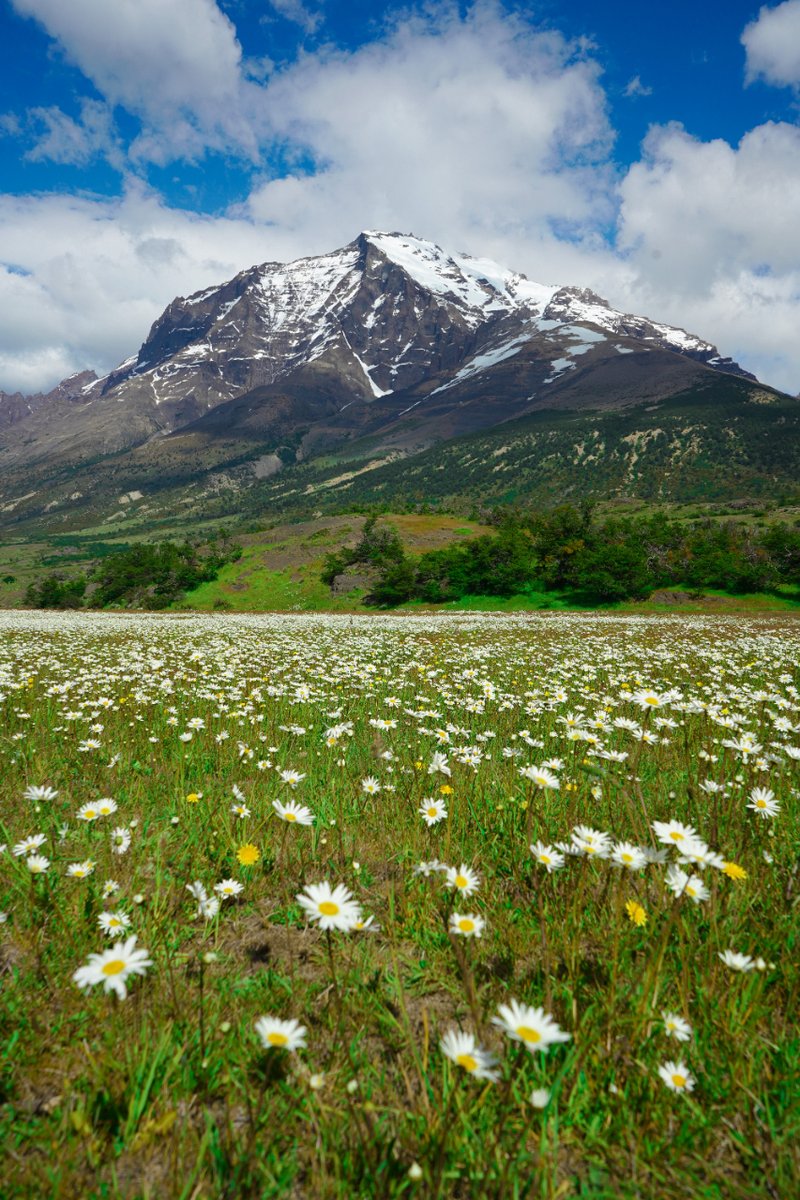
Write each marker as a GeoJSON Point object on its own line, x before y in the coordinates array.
{"type": "Point", "coordinates": [676, 836]}
{"type": "Point", "coordinates": [465, 925]}
{"type": "Point", "coordinates": [462, 881]}
{"type": "Point", "coordinates": [679, 1080]}
{"type": "Point", "coordinates": [545, 858]}
{"type": "Point", "coordinates": [467, 1062]}
{"type": "Point", "coordinates": [289, 816]}
{"type": "Point", "coordinates": [277, 1039]}
{"type": "Point", "coordinates": [90, 812]}
{"type": "Point", "coordinates": [115, 967]}
{"type": "Point", "coordinates": [627, 858]}
{"type": "Point", "coordinates": [328, 908]}
{"type": "Point", "coordinates": [432, 812]}
{"type": "Point", "coordinates": [527, 1034]}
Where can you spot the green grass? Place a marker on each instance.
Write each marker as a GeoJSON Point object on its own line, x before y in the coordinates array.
{"type": "Point", "coordinates": [524, 602]}
{"type": "Point", "coordinates": [249, 586]}
{"type": "Point", "coordinates": [170, 1093]}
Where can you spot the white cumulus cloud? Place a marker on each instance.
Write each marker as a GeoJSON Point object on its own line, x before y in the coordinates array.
{"type": "Point", "coordinates": [82, 279]}
{"type": "Point", "coordinates": [772, 43]}
{"type": "Point", "coordinates": [476, 131]}
{"type": "Point", "coordinates": [710, 232]}
{"type": "Point", "coordinates": [175, 65]}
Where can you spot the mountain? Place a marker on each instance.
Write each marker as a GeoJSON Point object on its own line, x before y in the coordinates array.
{"type": "Point", "coordinates": [15, 406]}
{"type": "Point", "coordinates": [378, 351]}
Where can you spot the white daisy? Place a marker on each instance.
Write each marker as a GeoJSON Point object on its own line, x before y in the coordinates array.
{"type": "Point", "coordinates": [293, 812]}
{"type": "Point", "coordinates": [531, 1026]}
{"type": "Point", "coordinates": [114, 924]}
{"type": "Point", "coordinates": [120, 840]}
{"type": "Point", "coordinates": [463, 1049]}
{"type": "Point", "coordinates": [28, 845]}
{"type": "Point", "coordinates": [35, 792]}
{"type": "Point", "coordinates": [280, 1035]}
{"type": "Point", "coordinates": [736, 961]}
{"type": "Point", "coordinates": [292, 778]}
{"type": "Point", "coordinates": [549, 858]}
{"type": "Point", "coordinates": [113, 966]}
{"type": "Point", "coordinates": [762, 801]}
{"type": "Point", "coordinates": [674, 833]}
{"type": "Point", "coordinates": [628, 856]}
{"type": "Point", "coordinates": [331, 908]}
{"type": "Point", "coordinates": [229, 887]}
{"type": "Point", "coordinates": [463, 879]}
{"type": "Point", "coordinates": [676, 1027]}
{"type": "Point", "coordinates": [432, 811]}
{"type": "Point", "coordinates": [677, 1076]}
{"type": "Point", "coordinates": [541, 777]}
{"type": "Point", "coordinates": [466, 924]}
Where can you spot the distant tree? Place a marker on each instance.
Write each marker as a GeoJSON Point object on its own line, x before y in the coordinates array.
{"type": "Point", "coordinates": [56, 591]}
{"type": "Point", "coordinates": [378, 546]}
{"type": "Point", "coordinates": [395, 584]}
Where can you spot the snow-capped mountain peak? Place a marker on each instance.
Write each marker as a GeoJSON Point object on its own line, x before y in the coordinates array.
{"type": "Point", "coordinates": [388, 310]}
{"type": "Point", "coordinates": [479, 285]}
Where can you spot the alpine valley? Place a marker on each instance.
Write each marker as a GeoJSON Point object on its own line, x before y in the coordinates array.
{"type": "Point", "coordinates": [392, 370]}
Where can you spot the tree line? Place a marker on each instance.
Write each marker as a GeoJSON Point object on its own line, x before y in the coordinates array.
{"type": "Point", "coordinates": [572, 550]}
{"type": "Point", "coordinates": [149, 575]}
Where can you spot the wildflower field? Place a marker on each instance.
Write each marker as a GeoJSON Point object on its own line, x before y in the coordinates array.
{"type": "Point", "coordinates": [476, 906]}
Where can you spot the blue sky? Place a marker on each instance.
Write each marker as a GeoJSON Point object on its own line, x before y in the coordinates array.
{"type": "Point", "coordinates": [152, 147]}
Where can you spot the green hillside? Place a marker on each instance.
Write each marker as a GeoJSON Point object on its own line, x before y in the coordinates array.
{"type": "Point", "coordinates": [719, 443]}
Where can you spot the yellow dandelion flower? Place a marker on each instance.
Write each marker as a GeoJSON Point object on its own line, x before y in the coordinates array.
{"type": "Point", "coordinates": [193, 797]}
{"type": "Point", "coordinates": [248, 855]}
{"type": "Point", "coordinates": [446, 790]}
{"type": "Point", "coordinates": [734, 871]}
{"type": "Point", "coordinates": [636, 913]}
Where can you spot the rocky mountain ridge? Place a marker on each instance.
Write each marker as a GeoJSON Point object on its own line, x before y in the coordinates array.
{"type": "Point", "coordinates": [390, 342]}
{"type": "Point", "coordinates": [16, 406]}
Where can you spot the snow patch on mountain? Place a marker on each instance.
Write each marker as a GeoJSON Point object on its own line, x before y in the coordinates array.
{"type": "Point", "coordinates": [481, 362]}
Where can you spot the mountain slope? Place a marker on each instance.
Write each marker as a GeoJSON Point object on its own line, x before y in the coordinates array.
{"type": "Point", "coordinates": [389, 345]}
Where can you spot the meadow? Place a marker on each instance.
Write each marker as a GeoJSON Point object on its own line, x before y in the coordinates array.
{"type": "Point", "coordinates": [467, 905]}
